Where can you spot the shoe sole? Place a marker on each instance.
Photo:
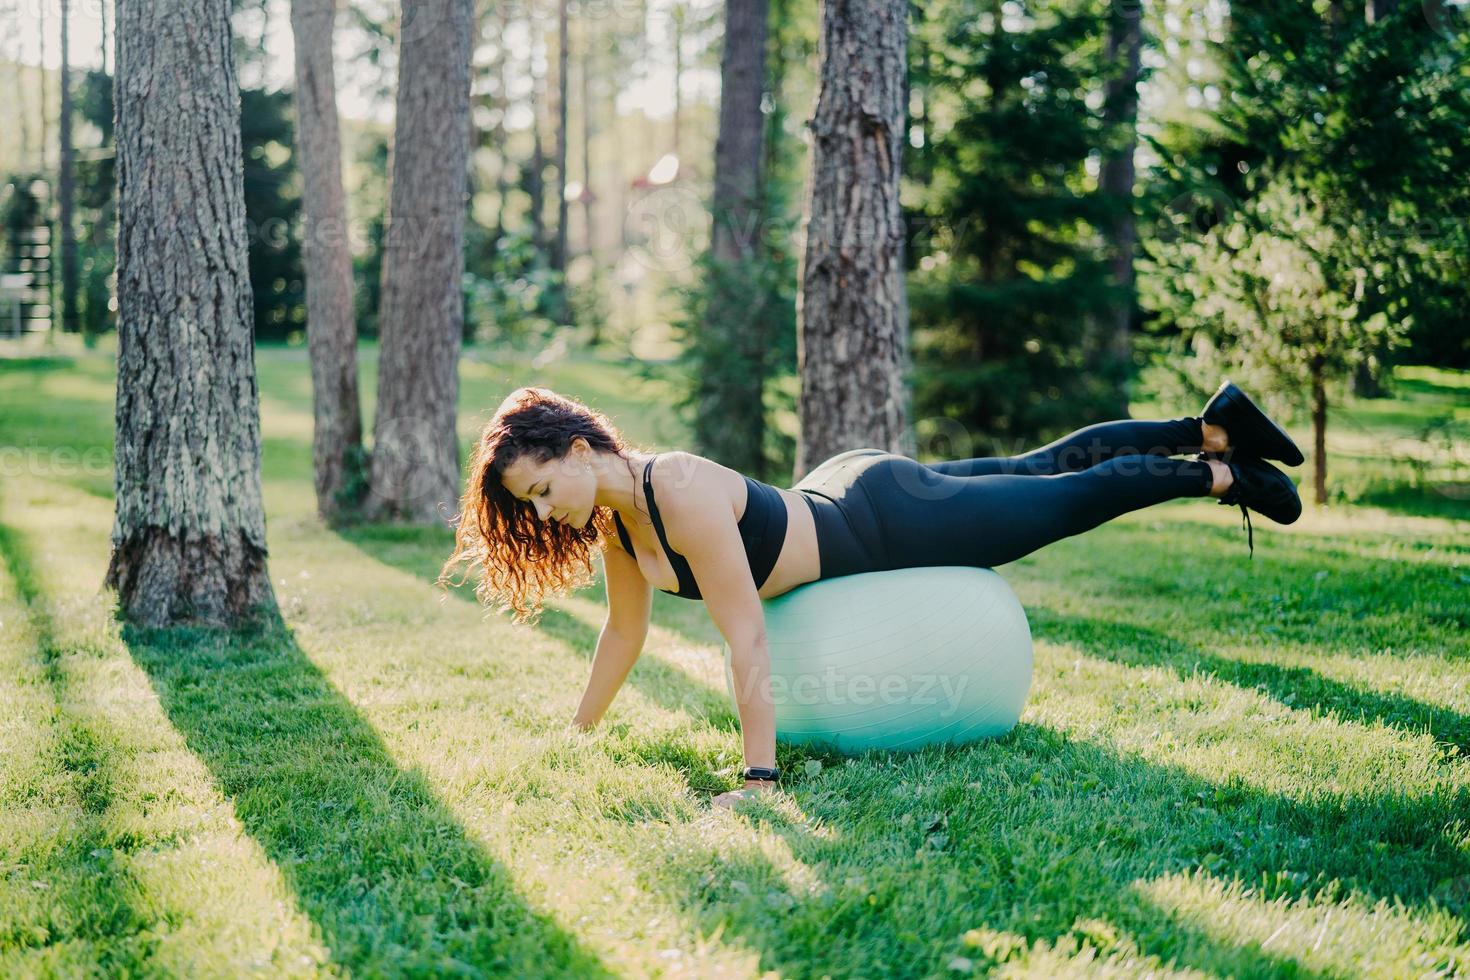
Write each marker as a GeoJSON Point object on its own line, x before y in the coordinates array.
{"type": "Point", "coordinates": [1271, 440]}
{"type": "Point", "coordinates": [1286, 501]}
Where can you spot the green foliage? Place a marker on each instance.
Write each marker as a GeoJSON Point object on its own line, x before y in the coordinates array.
{"type": "Point", "coordinates": [507, 289]}
{"type": "Point", "coordinates": [736, 321]}
{"type": "Point", "coordinates": [370, 200]}
{"type": "Point", "coordinates": [1266, 304]}
{"type": "Point", "coordinates": [96, 207]}
{"type": "Point", "coordinates": [273, 213]}
{"type": "Point", "coordinates": [737, 325]}
{"type": "Point", "coordinates": [1011, 283]}
{"type": "Point", "coordinates": [1345, 144]}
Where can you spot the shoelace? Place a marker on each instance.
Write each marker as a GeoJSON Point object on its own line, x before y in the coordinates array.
{"type": "Point", "coordinates": [1250, 534]}
{"type": "Point", "coordinates": [1245, 514]}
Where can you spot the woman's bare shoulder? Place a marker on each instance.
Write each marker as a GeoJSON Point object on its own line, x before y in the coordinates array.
{"type": "Point", "coordinates": [679, 472]}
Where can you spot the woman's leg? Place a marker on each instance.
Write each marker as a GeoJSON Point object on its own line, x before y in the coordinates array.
{"type": "Point", "coordinates": [930, 518]}
{"type": "Point", "coordinates": [1087, 447]}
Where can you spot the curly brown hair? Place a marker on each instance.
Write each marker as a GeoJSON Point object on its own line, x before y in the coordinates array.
{"type": "Point", "coordinates": [520, 558]}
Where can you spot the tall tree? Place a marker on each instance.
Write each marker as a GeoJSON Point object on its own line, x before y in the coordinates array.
{"type": "Point", "coordinates": [559, 248]}
{"type": "Point", "coordinates": [729, 417]}
{"type": "Point", "coordinates": [852, 341]}
{"type": "Point", "coordinates": [66, 182]}
{"type": "Point", "coordinates": [1338, 144]}
{"type": "Point", "coordinates": [587, 198]}
{"type": "Point", "coordinates": [188, 541]}
{"type": "Point", "coordinates": [1011, 279]}
{"type": "Point", "coordinates": [331, 330]}
{"type": "Point", "coordinates": [535, 178]}
{"type": "Point", "coordinates": [1120, 114]}
{"type": "Point", "coordinates": [415, 460]}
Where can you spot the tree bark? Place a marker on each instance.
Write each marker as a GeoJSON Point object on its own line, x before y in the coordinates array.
{"type": "Point", "coordinates": [188, 540]}
{"type": "Point", "coordinates": [331, 331]}
{"type": "Point", "coordinates": [66, 184]}
{"type": "Point", "coordinates": [1124, 55]}
{"type": "Point", "coordinates": [559, 250]}
{"type": "Point", "coordinates": [500, 104]}
{"type": "Point", "coordinates": [415, 460]}
{"type": "Point", "coordinates": [1376, 10]}
{"type": "Point", "coordinates": [585, 77]}
{"type": "Point", "coordinates": [536, 184]}
{"type": "Point", "coordinates": [730, 421]}
{"type": "Point", "coordinates": [852, 340]}
{"type": "Point", "coordinates": [1319, 432]}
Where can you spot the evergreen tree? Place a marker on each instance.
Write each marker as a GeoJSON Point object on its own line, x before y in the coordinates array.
{"type": "Point", "coordinates": [1320, 245]}
{"type": "Point", "coordinates": [1013, 289]}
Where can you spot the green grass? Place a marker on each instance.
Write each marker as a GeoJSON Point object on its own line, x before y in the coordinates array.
{"type": "Point", "coordinates": [1225, 767]}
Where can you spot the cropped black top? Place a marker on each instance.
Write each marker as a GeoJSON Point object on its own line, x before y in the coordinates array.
{"type": "Point", "coordinates": [762, 528]}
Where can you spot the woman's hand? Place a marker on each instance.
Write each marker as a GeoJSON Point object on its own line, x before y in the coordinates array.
{"type": "Point", "coordinates": [752, 788]}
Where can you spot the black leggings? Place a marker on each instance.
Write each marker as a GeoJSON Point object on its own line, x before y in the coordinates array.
{"type": "Point", "coordinates": [876, 510]}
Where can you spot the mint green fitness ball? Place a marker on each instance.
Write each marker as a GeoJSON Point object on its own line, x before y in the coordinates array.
{"type": "Point", "coordinates": [897, 659]}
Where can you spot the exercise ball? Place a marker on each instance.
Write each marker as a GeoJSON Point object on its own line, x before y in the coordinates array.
{"type": "Point", "coordinates": [896, 659]}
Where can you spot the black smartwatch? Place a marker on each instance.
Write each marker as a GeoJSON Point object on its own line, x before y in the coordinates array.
{"type": "Point", "coordinates": [761, 772]}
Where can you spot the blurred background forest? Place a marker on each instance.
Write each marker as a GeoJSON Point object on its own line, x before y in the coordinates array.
{"type": "Point", "coordinates": [1091, 192]}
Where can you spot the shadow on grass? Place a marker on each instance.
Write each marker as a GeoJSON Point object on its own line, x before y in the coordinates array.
{"type": "Point", "coordinates": [1450, 502]}
{"type": "Point", "coordinates": [1051, 841]}
{"type": "Point", "coordinates": [421, 553]}
{"type": "Point", "coordinates": [1307, 592]}
{"type": "Point", "coordinates": [1296, 687]}
{"type": "Point", "coordinates": [384, 869]}
{"type": "Point", "coordinates": [91, 904]}
{"type": "Point", "coordinates": [375, 859]}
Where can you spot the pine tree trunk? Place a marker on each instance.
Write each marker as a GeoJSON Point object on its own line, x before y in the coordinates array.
{"type": "Point", "coordinates": [188, 541]}
{"type": "Point", "coordinates": [415, 460]}
{"type": "Point", "coordinates": [331, 331]}
{"type": "Point", "coordinates": [1379, 9]}
{"type": "Point", "coordinates": [66, 184]}
{"type": "Point", "coordinates": [995, 81]}
{"type": "Point", "coordinates": [536, 183]}
{"type": "Point", "coordinates": [852, 341]}
{"type": "Point", "coordinates": [1124, 54]}
{"type": "Point", "coordinates": [559, 251]}
{"type": "Point", "coordinates": [585, 77]}
{"type": "Point", "coordinates": [501, 105]}
{"type": "Point", "coordinates": [730, 422]}
{"type": "Point", "coordinates": [1319, 433]}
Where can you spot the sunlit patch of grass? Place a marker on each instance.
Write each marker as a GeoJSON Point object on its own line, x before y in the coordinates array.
{"type": "Point", "coordinates": [1226, 766]}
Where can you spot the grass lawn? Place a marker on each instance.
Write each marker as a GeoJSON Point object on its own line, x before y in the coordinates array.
{"type": "Point", "coordinates": [1225, 767]}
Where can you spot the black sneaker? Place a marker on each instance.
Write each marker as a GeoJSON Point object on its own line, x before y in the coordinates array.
{"type": "Point", "coordinates": [1263, 488]}
{"type": "Point", "coordinates": [1252, 432]}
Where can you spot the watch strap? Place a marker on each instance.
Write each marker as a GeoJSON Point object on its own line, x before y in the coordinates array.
{"type": "Point", "coordinates": [763, 772]}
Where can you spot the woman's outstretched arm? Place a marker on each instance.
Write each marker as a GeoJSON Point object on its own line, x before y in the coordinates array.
{"type": "Point", "coordinates": [701, 527]}
{"type": "Point", "coordinates": [629, 601]}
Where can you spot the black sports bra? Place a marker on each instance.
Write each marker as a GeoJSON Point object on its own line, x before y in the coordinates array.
{"type": "Point", "coordinates": [762, 529]}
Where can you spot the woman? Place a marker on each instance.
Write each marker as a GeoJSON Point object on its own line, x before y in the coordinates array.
{"type": "Point", "coordinates": [552, 480]}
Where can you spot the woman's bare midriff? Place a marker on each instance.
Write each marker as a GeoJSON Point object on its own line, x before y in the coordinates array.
{"type": "Point", "coordinates": [798, 563]}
